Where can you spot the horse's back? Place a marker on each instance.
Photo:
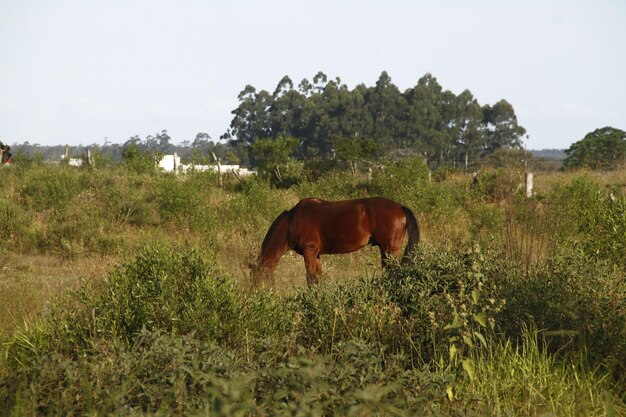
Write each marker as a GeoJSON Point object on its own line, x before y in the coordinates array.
{"type": "Point", "coordinates": [345, 226]}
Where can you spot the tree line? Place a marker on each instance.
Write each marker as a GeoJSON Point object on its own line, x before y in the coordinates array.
{"type": "Point", "coordinates": [325, 120]}
{"type": "Point", "coordinates": [326, 117]}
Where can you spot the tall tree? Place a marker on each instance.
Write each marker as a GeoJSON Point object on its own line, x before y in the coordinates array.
{"type": "Point", "coordinates": [468, 128]}
{"type": "Point", "coordinates": [286, 109]}
{"type": "Point", "coordinates": [601, 149]}
{"type": "Point", "coordinates": [252, 116]}
{"type": "Point", "coordinates": [386, 106]}
{"type": "Point", "coordinates": [501, 125]}
{"type": "Point", "coordinates": [427, 117]}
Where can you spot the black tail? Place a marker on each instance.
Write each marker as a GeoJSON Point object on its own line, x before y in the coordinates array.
{"type": "Point", "coordinates": [413, 231]}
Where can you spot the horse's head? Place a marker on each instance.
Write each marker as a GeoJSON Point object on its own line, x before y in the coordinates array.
{"type": "Point", "coordinates": [260, 275]}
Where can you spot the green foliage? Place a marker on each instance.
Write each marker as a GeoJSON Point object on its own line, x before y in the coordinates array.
{"type": "Point", "coordinates": [354, 150]}
{"type": "Point", "coordinates": [47, 188]}
{"type": "Point", "coordinates": [326, 115]}
{"type": "Point", "coordinates": [166, 289]}
{"type": "Point", "coordinates": [137, 160]}
{"type": "Point", "coordinates": [601, 149]}
{"type": "Point", "coordinates": [169, 332]}
{"type": "Point", "coordinates": [178, 202]}
{"type": "Point", "coordinates": [573, 299]}
{"type": "Point", "coordinates": [14, 224]}
{"type": "Point", "coordinates": [333, 185]}
{"type": "Point", "coordinates": [498, 185]}
{"type": "Point", "coordinates": [451, 299]}
{"type": "Point", "coordinates": [587, 218]}
{"type": "Point", "coordinates": [274, 160]}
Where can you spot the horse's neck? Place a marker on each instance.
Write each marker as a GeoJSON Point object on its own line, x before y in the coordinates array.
{"type": "Point", "coordinates": [275, 243]}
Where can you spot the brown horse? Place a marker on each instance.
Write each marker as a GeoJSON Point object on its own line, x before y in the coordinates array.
{"type": "Point", "coordinates": [316, 227]}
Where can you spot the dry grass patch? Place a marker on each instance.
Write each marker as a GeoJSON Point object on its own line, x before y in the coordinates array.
{"type": "Point", "coordinates": [29, 283]}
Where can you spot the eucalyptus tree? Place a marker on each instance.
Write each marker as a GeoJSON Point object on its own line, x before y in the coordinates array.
{"type": "Point", "coordinates": [468, 129]}
{"type": "Point", "coordinates": [501, 127]}
{"type": "Point", "coordinates": [427, 117]}
{"type": "Point", "coordinates": [252, 116]}
{"type": "Point", "coordinates": [286, 110]}
{"type": "Point", "coordinates": [386, 105]}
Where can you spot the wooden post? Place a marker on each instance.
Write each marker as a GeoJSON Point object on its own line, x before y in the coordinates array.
{"type": "Point", "coordinates": [475, 178]}
{"type": "Point", "coordinates": [219, 169]}
{"type": "Point", "coordinates": [88, 157]}
{"type": "Point", "coordinates": [369, 175]}
{"type": "Point", "coordinates": [175, 164]}
{"type": "Point", "coordinates": [529, 184]}
{"type": "Point", "coordinates": [67, 153]}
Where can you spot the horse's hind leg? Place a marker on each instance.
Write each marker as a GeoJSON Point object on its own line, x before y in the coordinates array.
{"type": "Point", "coordinates": [387, 252]}
{"type": "Point", "coordinates": [313, 266]}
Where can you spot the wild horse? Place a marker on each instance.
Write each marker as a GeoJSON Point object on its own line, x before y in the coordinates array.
{"type": "Point", "coordinates": [316, 227]}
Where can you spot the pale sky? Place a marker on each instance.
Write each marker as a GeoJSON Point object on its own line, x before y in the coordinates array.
{"type": "Point", "coordinates": [78, 71]}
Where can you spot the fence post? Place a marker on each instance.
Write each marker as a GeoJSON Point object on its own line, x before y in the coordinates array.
{"type": "Point", "coordinates": [219, 169]}
{"type": "Point", "coordinates": [475, 178]}
{"type": "Point", "coordinates": [529, 184]}
{"type": "Point", "coordinates": [175, 164]}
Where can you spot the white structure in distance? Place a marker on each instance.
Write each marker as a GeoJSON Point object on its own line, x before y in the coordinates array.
{"type": "Point", "coordinates": [171, 163]}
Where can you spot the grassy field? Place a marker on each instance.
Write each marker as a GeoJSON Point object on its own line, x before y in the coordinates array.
{"type": "Point", "coordinates": [129, 294]}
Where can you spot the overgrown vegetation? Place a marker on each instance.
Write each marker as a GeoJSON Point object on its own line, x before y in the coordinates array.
{"type": "Point", "coordinates": [511, 306]}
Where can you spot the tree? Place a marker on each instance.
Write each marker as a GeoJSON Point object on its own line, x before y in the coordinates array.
{"type": "Point", "coordinates": [427, 120]}
{"type": "Point", "coordinates": [161, 143]}
{"type": "Point", "coordinates": [252, 116]}
{"type": "Point", "coordinates": [273, 155]}
{"type": "Point", "coordinates": [468, 127]}
{"type": "Point", "coordinates": [136, 159]}
{"type": "Point", "coordinates": [601, 149]}
{"type": "Point", "coordinates": [386, 105]}
{"type": "Point", "coordinates": [352, 150]}
{"type": "Point", "coordinates": [501, 126]}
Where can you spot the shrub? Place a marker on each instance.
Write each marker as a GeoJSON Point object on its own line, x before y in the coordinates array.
{"type": "Point", "coordinates": [587, 218]}
{"type": "Point", "coordinates": [48, 188]}
{"type": "Point", "coordinates": [358, 310]}
{"type": "Point", "coordinates": [14, 230]}
{"type": "Point", "coordinates": [451, 299]}
{"type": "Point", "coordinates": [576, 302]}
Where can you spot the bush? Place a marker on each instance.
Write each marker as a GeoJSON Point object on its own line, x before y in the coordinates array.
{"type": "Point", "coordinates": [577, 304]}
{"type": "Point", "coordinates": [48, 188]}
{"type": "Point", "coordinates": [14, 225]}
{"type": "Point", "coordinates": [587, 218]}
{"type": "Point", "coordinates": [450, 299]}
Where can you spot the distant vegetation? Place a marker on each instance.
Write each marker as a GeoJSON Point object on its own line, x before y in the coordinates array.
{"type": "Point", "coordinates": [603, 149]}
{"type": "Point", "coordinates": [324, 121]}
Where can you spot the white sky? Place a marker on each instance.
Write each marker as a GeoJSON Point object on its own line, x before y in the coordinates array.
{"type": "Point", "coordinates": [77, 71]}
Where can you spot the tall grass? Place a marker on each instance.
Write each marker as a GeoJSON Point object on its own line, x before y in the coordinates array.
{"type": "Point", "coordinates": [173, 328]}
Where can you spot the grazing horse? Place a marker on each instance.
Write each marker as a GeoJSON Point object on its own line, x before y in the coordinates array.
{"type": "Point", "coordinates": [316, 227]}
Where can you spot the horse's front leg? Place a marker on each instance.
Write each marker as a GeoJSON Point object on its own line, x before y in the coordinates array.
{"type": "Point", "coordinates": [313, 266]}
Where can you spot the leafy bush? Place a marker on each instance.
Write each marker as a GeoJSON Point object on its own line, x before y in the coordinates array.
{"type": "Point", "coordinates": [499, 184]}
{"type": "Point", "coordinates": [357, 310]}
{"type": "Point", "coordinates": [14, 222]}
{"type": "Point", "coordinates": [451, 299]}
{"type": "Point", "coordinates": [586, 217]}
{"type": "Point", "coordinates": [577, 304]}
{"type": "Point", "coordinates": [50, 188]}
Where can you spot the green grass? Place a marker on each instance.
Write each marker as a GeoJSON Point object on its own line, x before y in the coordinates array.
{"type": "Point", "coordinates": [173, 329]}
